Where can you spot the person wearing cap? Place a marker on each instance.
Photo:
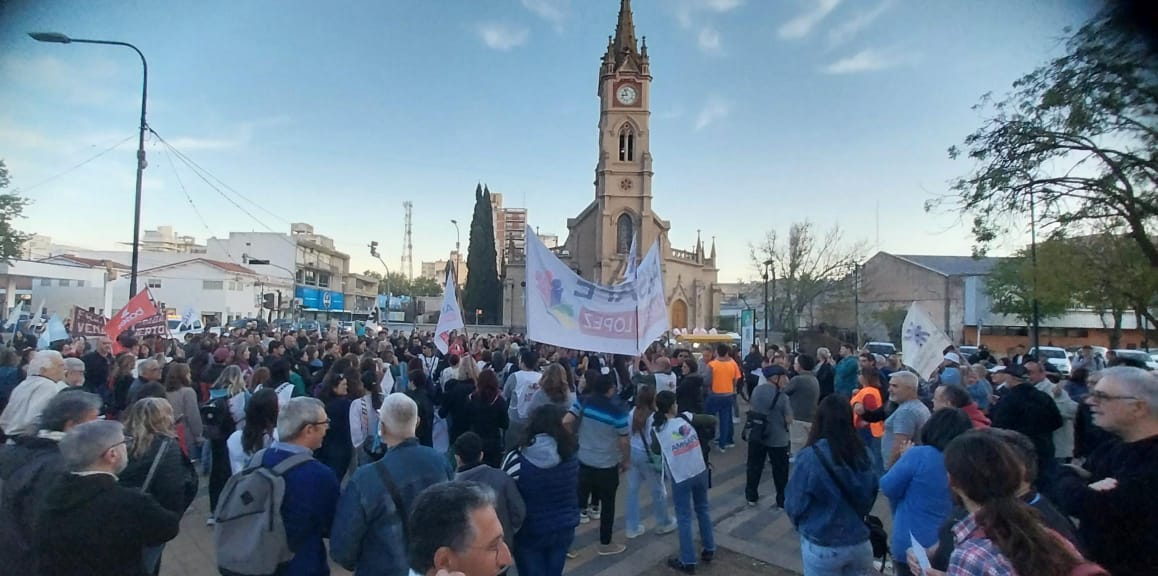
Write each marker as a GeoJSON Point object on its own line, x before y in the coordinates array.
{"type": "Point", "coordinates": [1032, 412]}
{"type": "Point", "coordinates": [74, 372]}
{"type": "Point", "coordinates": [950, 369]}
{"type": "Point", "coordinates": [771, 441]}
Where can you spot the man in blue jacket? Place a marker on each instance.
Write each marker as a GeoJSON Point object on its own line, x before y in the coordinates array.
{"type": "Point", "coordinates": [369, 533]}
{"type": "Point", "coordinates": [846, 369]}
{"type": "Point", "coordinates": [311, 489]}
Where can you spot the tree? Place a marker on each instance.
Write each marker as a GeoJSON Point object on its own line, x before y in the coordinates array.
{"type": "Point", "coordinates": [1010, 284]}
{"type": "Point", "coordinates": [1076, 141]}
{"type": "Point", "coordinates": [11, 208]}
{"type": "Point", "coordinates": [483, 291]}
{"type": "Point", "coordinates": [893, 319]}
{"type": "Point", "coordinates": [807, 267]}
{"type": "Point", "coordinates": [423, 286]}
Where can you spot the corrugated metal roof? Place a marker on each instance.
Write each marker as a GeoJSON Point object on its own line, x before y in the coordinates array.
{"type": "Point", "coordinates": [953, 265]}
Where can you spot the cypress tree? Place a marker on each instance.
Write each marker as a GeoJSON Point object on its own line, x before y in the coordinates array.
{"type": "Point", "coordinates": [483, 290]}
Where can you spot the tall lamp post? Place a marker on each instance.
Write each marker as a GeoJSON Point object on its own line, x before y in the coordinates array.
{"type": "Point", "coordinates": [1036, 342]}
{"type": "Point", "coordinates": [856, 302]}
{"type": "Point", "coordinates": [457, 251]}
{"type": "Point", "coordinates": [768, 269]}
{"type": "Point", "coordinates": [58, 38]}
{"type": "Point", "coordinates": [373, 245]}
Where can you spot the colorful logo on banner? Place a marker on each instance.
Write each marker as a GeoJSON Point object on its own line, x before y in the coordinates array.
{"type": "Point", "coordinates": [566, 310]}
{"type": "Point", "coordinates": [449, 316]}
{"type": "Point", "coordinates": [922, 342]}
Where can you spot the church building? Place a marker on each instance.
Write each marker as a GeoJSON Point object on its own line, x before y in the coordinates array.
{"type": "Point", "coordinates": [598, 239]}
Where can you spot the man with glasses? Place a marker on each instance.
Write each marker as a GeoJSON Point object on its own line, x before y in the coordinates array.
{"type": "Point", "coordinates": [89, 524]}
{"type": "Point", "coordinates": [456, 531]}
{"type": "Point", "coordinates": [1112, 493]}
{"type": "Point", "coordinates": [311, 489]}
{"type": "Point", "coordinates": [74, 373]}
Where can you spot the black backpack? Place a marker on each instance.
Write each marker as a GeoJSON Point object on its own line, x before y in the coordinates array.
{"type": "Point", "coordinates": [218, 422]}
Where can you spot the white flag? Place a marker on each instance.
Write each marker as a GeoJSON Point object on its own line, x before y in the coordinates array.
{"type": "Point", "coordinates": [922, 342]}
{"type": "Point", "coordinates": [449, 316]}
{"type": "Point", "coordinates": [566, 310]}
{"type": "Point", "coordinates": [632, 257]}
{"type": "Point", "coordinates": [14, 315]}
{"type": "Point", "coordinates": [188, 315]}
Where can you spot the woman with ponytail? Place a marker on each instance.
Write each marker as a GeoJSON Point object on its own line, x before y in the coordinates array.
{"type": "Point", "coordinates": [643, 470]}
{"type": "Point", "coordinates": [674, 438]}
{"type": "Point", "coordinates": [1002, 535]}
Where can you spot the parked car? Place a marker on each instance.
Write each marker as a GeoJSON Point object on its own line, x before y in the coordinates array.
{"type": "Point", "coordinates": [967, 352]}
{"type": "Point", "coordinates": [308, 325]}
{"type": "Point", "coordinates": [1138, 356]}
{"type": "Point", "coordinates": [883, 348]}
{"type": "Point", "coordinates": [1055, 356]}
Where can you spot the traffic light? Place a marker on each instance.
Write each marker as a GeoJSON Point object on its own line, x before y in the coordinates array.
{"type": "Point", "coordinates": [267, 300]}
{"type": "Point", "coordinates": [374, 248]}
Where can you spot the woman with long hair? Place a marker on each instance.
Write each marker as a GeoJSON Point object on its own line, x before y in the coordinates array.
{"type": "Point", "coordinates": [149, 422]}
{"type": "Point", "coordinates": [676, 441]}
{"type": "Point", "coordinates": [1002, 534]}
{"type": "Point", "coordinates": [918, 488]}
{"type": "Point", "coordinates": [259, 432]}
{"type": "Point", "coordinates": [120, 381]}
{"type": "Point", "coordinates": [260, 378]}
{"type": "Point", "coordinates": [186, 409]}
{"type": "Point", "coordinates": [645, 468]}
{"type": "Point", "coordinates": [487, 416]}
{"type": "Point", "coordinates": [545, 468]}
{"type": "Point", "coordinates": [456, 398]}
{"type": "Point", "coordinates": [869, 397]}
{"type": "Point", "coordinates": [229, 385]}
{"type": "Point", "coordinates": [338, 390]}
{"type": "Point", "coordinates": [834, 462]}
{"type": "Point", "coordinates": [553, 389]}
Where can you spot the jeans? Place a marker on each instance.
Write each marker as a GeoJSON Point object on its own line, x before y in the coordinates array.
{"type": "Point", "coordinates": [855, 560]}
{"type": "Point", "coordinates": [599, 485]}
{"type": "Point", "coordinates": [544, 554]}
{"type": "Point", "coordinates": [641, 472]}
{"type": "Point", "coordinates": [151, 559]}
{"type": "Point", "coordinates": [720, 406]}
{"type": "Point", "coordinates": [778, 456]}
{"type": "Point", "coordinates": [688, 495]}
{"type": "Point", "coordinates": [874, 446]}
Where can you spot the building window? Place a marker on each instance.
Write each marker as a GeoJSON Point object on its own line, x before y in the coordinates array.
{"type": "Point", "coordinates": [65, 283]}
{"type": "Point", "coordinates": [154, 283]}
{"type": "Point", "coordinates": [46, 281]}
{"type": "Point", "coordinates": [300, 277]}
{"type": "Point", "coordinates": [626, 143]}
{"type": "Point", "coordinates": [624, 230]}
{"type": "Point", "coordinates": [212, 284]}
{"type": "Point", "coordinates": [323, 279]}
{"type": "Point", "coordinates": [311, 278]}
{"type": "Point", "coordinates": [80, 283]}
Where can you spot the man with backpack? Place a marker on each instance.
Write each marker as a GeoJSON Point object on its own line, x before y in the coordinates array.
{"type": "Point", "coordinates": [370, 530]}
{"type": "Point", "coordinates": [767, 434]}
{"type": "Point", "coordinates": [274, 514]}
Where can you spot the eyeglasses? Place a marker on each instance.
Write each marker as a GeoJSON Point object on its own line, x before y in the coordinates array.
{"type": "Point", "coordinates": [128, 442]}
{"type": "Point", "coordinates": [325, 422]}
{"type": "Point", "coordinates": [1099, 396]}
{"type": "Point", "coordinates": [495, 549]}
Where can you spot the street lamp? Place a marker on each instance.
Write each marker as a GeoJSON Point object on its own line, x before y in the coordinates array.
{"type": "Point", "coordinates": [457, 252]}
{"type": "Point", "coordinates": [1036, 342]}
{"type": "Point", "coordinates": [373, 245]}
{"type": "Point", "coordinates": [768, 269]}
{"type": "Point", "coordinates": [856, 302]}
{"type": "Point", "coordinates": [245, 259]}
{"type": "Point", "coordinates": [58, 38]}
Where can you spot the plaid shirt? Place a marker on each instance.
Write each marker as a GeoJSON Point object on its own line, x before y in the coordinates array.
{"type": "Point", "coordinates": [976, 554]}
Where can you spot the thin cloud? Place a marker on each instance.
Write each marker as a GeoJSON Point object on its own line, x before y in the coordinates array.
{"type": "Point", "coordinates": [868, 60]}
{"type": "Point", "coordinates": [553, 11]}
{"type": "Point", "coordinates": [709, 40]}
{"type": "Point", "coordinates": [850, 28]}
{"type": "Point", "coordinates": [802, 24]}
{"type": "Point", "coordinates": [502, 37]}
{"type": "Point", "coordinates": [714, 110]}
{"type": "Point", "coordinates": [685, 10]}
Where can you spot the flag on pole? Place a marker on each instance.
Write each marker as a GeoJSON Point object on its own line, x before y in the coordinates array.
{"type": "Point", "coordinates": [53, 331]}
{"type": "Point", "coordinates": [188, 315]}
{"type": "Point", "coordinates": [922, 342]}
{"type": "Point", "coordinates": [449, 316]}
{"type": "Point", "coordinates": [632, 257]}
{"type": "Point", "coordinates": [14, 316]}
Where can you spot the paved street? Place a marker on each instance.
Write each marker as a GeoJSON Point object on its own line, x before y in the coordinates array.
{"type": "Point", "coordinates": [760, 538]}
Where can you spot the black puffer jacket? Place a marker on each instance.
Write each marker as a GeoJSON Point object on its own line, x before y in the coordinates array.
{"type": "Point", "coordinates": [175, 483]}
{"type": "Point", "coordinates": [28, 469]}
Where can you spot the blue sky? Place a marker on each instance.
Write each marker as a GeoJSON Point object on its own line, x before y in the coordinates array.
{"type": "Point", "coordinates": [763, 113]}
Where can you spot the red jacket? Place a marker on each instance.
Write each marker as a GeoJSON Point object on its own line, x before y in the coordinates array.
{"type": "Point", "coordinates": [980, 420]}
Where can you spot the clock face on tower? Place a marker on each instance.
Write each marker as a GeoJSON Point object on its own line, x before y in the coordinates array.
{"type": "Point", "coordinates": [626, 95]}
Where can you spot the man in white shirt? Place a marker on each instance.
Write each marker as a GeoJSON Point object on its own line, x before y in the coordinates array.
{"type": "Point", "coordinates": [45, 372]}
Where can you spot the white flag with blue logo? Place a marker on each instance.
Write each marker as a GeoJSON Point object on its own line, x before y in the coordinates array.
{"type": "Point", "coordinates": [449, 316]}
{"type": "Point", "coordinates": [922, 342]}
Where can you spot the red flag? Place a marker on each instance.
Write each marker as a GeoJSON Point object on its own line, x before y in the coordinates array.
{"type": "Point", "coordinates": [138, 309]}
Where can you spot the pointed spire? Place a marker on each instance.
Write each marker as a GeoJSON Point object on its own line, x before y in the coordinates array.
{"type": "Point", "coordinates": [624, 46]}
{"type": "Point", "coordinates": [713, 256]}
{"type": "Point", "coordinates": [643, 48]}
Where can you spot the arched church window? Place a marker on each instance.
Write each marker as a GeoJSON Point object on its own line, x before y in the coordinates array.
{"type": "Point", "coordinates": [624, 231]}
{"type": "Point", "coordinates": [626, 144]}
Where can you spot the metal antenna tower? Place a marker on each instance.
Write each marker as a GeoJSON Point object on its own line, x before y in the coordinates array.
{"type": "Point", "coordinates": [407, 264]}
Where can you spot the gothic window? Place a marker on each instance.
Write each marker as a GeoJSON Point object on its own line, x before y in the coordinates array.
{"type": "Point", "coordinates": [626, 144]}
{"type": "Point", "coordinates": [624, 231]}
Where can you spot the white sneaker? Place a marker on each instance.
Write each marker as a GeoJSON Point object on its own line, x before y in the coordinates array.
{"type": "Point", "coordinates": [584, 517]}
{"type": "Point", "coordinates": [667, 529]}
{"type": "Point", "coordinates": [594, 512]}
{"type": "Point", "coordinates": [211, 521]}
{"type": "Point", "coordinates": [633, 534]}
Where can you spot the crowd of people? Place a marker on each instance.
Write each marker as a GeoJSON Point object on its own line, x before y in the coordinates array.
{"type": "Point", "coordinates": [391, 458]}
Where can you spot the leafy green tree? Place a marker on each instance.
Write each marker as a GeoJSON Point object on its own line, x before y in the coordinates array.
{"type": "Point", "coordinates": [893, 319]}
{"type": "Point", "coordinates": [423, 286]}
{"type": "Point", "coordinates": [1076, 140]}
{"type": "Point", "coordinates": [483, 290]}
{"type": "Point", "coordinates": [1010, 284]}
{"type": "Point", "coordinates": [11, 208]}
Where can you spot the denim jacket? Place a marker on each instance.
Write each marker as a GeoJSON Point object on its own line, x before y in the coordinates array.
{"type": "Point", "coordinates": [815, 505]}
{"type": "Point", "coordinates": [367, 535]}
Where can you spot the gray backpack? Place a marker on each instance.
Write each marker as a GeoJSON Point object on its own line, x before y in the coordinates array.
{"type": "Point", "coordinates": [249, 536]}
